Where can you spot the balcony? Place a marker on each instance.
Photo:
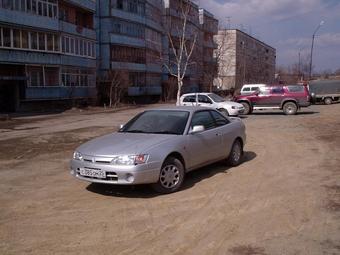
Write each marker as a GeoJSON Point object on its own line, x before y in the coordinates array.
{"type": "Point", "coordinates": [36, 93]}
{"type": "Point", "coordinates": [27, 57]}
{"type": "Point", "coordinates": [145, 91]}
{"type": "Point", "coordinates": [128, 66]}
{"type": "Point", "coordinates": [77, 30]}
{"type": "Point", "coordinates": [127, 40]}
{"type": "Point", "coordinates": [27, 19]}
{"type": "Point", "coordinates": [87, 4]}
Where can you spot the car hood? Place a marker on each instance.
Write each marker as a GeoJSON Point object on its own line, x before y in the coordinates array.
{"type": "Point", "coordinates": [122, 143]}
{"type": "Point", "coordinates": [229, 103]}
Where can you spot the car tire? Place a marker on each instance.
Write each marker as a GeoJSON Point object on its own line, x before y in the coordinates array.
{"type": "Point", "coordinates": [171, 176]}
{"type": "Point", "coordinates": [247, 108]}
{"type": "Point", "coordinates": [224, 111]}
{"type": "Point", "coordinates": [290, 108]}
{"type": "Point", "coordinates": [328, 100]}
{"type": "Point", "coordinates": [235, 155]}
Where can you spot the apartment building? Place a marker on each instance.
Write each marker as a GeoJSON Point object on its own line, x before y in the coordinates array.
{"type": "Point", "coordinates": [242, 59]}
{"type": "Point", "coordinates": [47, 51]}
{"type": "Point", "coordinates": [130, 36]}
{"type": "Point", "coordinates": [209, 28]}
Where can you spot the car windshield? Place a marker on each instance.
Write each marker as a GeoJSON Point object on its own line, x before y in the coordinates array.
{"type": "Point", "coordinates": [216, 98]}
{"type": "Point", "coordinates": [158, 122]}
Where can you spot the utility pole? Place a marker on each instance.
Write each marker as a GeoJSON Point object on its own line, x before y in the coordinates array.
{"type": "Point", "coordinates": [311, 50]}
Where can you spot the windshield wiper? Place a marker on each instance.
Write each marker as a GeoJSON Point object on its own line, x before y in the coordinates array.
{"type": "Point", "coordinates": [166, 132]}
{"type": "Point", "coordinates": [134, 131]}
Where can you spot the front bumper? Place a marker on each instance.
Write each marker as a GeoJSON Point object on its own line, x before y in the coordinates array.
{"type": "Point", "coordinates": [235, 112]}
{"type": "Point", "coordinates": [120, 175]}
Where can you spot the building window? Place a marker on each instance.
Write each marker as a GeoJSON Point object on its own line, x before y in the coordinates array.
{"type": "Point", "coordinates": [16, 38]}
{"type": "Point", "coordinates": [137, 79]}
{"type": "Point", "coordinates": [28, 40]}
{"type": "Point", "coordinates": [77, 46]}
{"type": "Point", "coordinates": [75, 77]}
{"type": "Point", "coordinates": [76, 16]}
{"type": "Point", "coordinates": [35, 75]}
{"type": "Point", "coordinates": [24, 39]}
{"type": "Point", "coordinates": [120, 4]}
{"type": "Point", "coordinates": [49, 38]}
{"type": "Point", "coordinates": [128, 54]}
{"type": "Point", "coordinates": [34, 40]}
{"type": "Point", "coordinates": [51, 76]}
{"type": "Point", "coordinates": [42, 43]}
{"type": "Point", "coordinates": [6, 33]}
{"type": "Point", "coordinates": [46, 8]}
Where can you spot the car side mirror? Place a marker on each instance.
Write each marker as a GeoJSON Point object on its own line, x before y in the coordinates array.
{"type": "Point", "coordinates": [121, 126]}
{"type": "Point", "coordinates": [197, 129]}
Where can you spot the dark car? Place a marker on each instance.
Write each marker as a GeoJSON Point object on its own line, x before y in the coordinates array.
{"type": "Point", "coordinates": [289, 98]}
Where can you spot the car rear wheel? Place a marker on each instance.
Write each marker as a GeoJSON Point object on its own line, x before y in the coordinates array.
{"type": "Point", "coordinates": [171, 176]}
{"type": "Point", "coordinates": [236, 153]}
{"type": "Point", "coordinates": [247, 108]}
{"type": "Point", "coordinates": [290, 108]}
{"type": "Point", "coordinates": [328, 100]}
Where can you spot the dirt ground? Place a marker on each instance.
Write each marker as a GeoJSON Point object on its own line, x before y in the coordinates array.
{"type": "Point", "coordinates": [283, 199]}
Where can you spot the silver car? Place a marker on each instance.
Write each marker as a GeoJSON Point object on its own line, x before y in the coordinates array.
{"type": "Point", "coordinates": [159, 146]}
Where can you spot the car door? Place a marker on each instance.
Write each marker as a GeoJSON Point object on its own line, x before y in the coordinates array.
{"type": "Point", "coordinates": [204, 146]}
{"type": "Point", "coordinates": [226, 132]}
{"type": "Point", "coordinates": [205, 101]}
{"type": "Point", "coordinates": [189, 100]}
{"type": "Point", "coordinates": [276, 96]}
{"type": "Point", "coordinates": [263, 97]}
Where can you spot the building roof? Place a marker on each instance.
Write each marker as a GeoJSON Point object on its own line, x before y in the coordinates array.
{"type": "Point", "coordinates": [239, 31]}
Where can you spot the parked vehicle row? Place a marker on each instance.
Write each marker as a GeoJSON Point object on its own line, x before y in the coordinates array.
{"type": "Point", "coordinates": [160, 146]}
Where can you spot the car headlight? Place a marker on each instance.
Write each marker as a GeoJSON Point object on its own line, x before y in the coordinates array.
{"type": "Point", "coordinates": [130, 159]}
{"type": "Point", "coordinates": [77, 155]}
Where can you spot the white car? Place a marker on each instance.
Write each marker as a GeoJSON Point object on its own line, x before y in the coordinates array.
{"type": "Point", "coordinates": [248, 89]}
{"type": "Point", "coordinates": [213, 101]}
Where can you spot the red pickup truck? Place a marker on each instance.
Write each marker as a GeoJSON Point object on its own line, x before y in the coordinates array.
{"type": "Point", "coordinates": [289, 98]}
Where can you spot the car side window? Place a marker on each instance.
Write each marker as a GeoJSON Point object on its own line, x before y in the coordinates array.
{"type": "Point", "coordinates": [246, 89]}
{"type": "Point", "coordinates": [295, 88]}
{"type": "Point", "coordinates": [203, 118]}
{"type": "Point", "coordinates": [264, 91]}
{"type": "Point", "coordinates": [204, 99]}
{"type": "Point", "coordinates": [190, 99]}
{"type": "Point", "coordinates": [220, 120]}
{"type": "Point", "coordinates": [254, 88]}
{"type": "Point", "coordinates": [277, 90]}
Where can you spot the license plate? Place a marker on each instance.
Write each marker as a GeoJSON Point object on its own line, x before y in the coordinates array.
{"type": "Point", "coordinates": [93, 173]}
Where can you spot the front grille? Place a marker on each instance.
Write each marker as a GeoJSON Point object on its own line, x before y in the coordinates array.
{"type": "Point", "coordinates": [95, 161]}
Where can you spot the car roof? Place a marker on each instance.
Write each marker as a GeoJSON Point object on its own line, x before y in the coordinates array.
{"type": "Point", "coordinates": [198, 93]}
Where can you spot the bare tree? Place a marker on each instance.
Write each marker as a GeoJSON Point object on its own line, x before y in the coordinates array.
{"type": "Point", "coordinates": [113, 85]}
{"type": "Point", "coordinates": [182, 43]}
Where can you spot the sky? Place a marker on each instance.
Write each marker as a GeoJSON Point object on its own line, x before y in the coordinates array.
{"type": "Point", "coordinates": [287, 25]}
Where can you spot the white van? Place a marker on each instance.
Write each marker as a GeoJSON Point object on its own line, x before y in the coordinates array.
{"type": "Point", "coordinates": [250, 88]}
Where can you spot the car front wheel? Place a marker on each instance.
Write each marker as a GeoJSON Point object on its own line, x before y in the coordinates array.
{"type": "Point", "coordinates": [328, 100]}
{"type": "Point", "coordinates": [290, 108]}
{"type": "Point", "coordinates": [247, 108]}
{"type": "Point", "coordinates": [236, 153]}
{"type": "Point", "coordinates": [224, 111]}
{"type": "Point", "coordinates": [171, 176]}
